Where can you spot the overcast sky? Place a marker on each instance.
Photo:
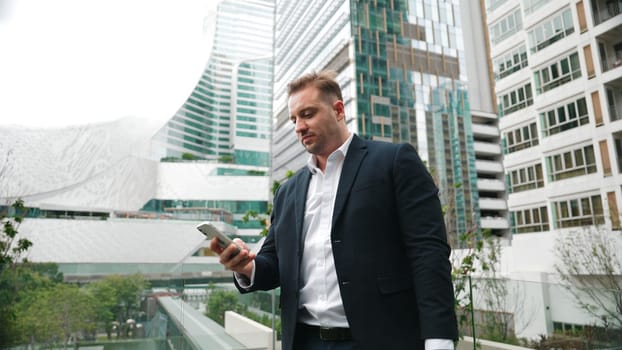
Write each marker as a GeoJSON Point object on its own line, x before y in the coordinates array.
{"type": "Point", "coordinates": [67, 62]}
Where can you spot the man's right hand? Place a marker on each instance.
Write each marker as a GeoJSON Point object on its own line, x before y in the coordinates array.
{"type": "Point", "coordinates": [241, 262]}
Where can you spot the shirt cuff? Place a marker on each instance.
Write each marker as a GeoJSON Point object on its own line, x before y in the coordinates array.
{"type": "Point", "coordinates": [439, 344]}
{"type": "Point", "coordinates": [243, 281]}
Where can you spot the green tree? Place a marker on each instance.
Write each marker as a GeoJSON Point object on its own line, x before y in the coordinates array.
{"type": "Point", "coordinates": [220, 301]}
{"type": "Point", "coordinates": [46, 273]}
{"type": "Point", "coordinates": [188, 156]}
{"type": "Point", "coordinates": [466, 263]}
{"type": "Point", "coordinates": [12, 249]}
{"type": "Point", "coordinates": [226, 158]}
{"type": "Point", "coordinates": [120, 297]}
{"type": "Point", "coordinates": [590, 265]}
{"type": "Point", "coordinates": [502, 298]}
{"type": "Point", "coordinates": [20, 286]}
{"type": "Point", "coordinates": [57, 315]}
{"type": "Point", "coordinates": [264, 218]}
{"type": "Point", "coordinates": [106, 302]}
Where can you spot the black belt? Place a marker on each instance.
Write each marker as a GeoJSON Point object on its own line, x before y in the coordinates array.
{"type": "Point", "coordinates": [329, 333]}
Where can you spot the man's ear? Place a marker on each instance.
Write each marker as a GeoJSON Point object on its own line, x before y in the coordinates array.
{"type": "Point", "coordinates": [339, 108]}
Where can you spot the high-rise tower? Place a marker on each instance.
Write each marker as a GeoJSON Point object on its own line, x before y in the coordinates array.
{"type": "Point", "coordinates": [228, 115]}
{"type": "Point", "coordinates": [401, 66]}
{"type": "Point", "coordinates": [558, 71]}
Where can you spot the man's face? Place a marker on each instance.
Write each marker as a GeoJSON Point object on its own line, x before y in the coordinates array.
{"type": "Point", "coordinates": [317, 120]}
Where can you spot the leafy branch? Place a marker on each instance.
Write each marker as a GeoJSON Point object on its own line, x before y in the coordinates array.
{"type": "Point", "coordinates": [12, 248]}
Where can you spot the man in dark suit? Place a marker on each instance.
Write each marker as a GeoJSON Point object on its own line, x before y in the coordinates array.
{"type": "Point", "coordinates": [357, 240]}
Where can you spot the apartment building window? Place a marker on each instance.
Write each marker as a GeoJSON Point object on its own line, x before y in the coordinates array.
{"type": "Point", "coordinates": [614, 102]}
{"type": "Point", "coordinates": [492, 5]}
{"type": "Point", "coordinates": [515, 100]}
{"type": "Point", "coordinates": [576, 162]}
{"type": "Point", "coordinates": [575, 212]}
{"type": "Point", "coordinates": [617, 142]}
{"type": "Point", "coordinates": [550, 31]}
{"type": "Point", "coordinates": [564, 117]}
{"type": "Point", "coordinates": [511, 62]}
{"type": "Point", "coordinates": [527, 178]}
{"type": "Point", "coordinates": [558, 73]}
{"type": "Point", "coordinates": [520, 138]}
{"type": "Point", "coordinates": [605, 10]}
{"type": "Point", "coordinates": [567, 328]}
{"type": "Point", "coordinates": [506, 26]}
{"type": "Point", "coordinates": [530, 220]}
{"type": "Point", "coordinates": [530, 6]}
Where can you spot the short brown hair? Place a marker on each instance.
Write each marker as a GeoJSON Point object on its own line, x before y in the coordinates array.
{"type": "Point", "coordinates": [323, 81]}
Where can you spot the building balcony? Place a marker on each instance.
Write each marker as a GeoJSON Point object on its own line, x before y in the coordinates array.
{"type": "Point", "coordinates": [492, 204]}
{"type": "Point", "coordinates": [490, 185]}
{"type": "Point", "coordinates": [614, 98]}
{"type": "Point", "coordinates": [604, 10]}
{"type": "Point", "coordinates": [492, 222]}
{"type": "Point", "coordinates": [485, 130]}
{"type": "Point", "coordinates": [486, 148]}
{"type": "Point", "coordinates": [488, 167]}
{"type": "Point", "coordinates": [610, 48]}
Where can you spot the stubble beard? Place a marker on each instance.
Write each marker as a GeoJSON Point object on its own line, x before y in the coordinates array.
{"type": "Point", "coordinates": [312, 148]}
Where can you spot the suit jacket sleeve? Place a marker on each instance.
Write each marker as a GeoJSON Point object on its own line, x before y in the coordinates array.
{"type": "Point", "coordinates": [423, 230]}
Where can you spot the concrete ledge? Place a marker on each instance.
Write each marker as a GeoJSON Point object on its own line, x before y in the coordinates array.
{"type": "Point", "coordinates": [466, 343]}
{"type": "Point", "coordinates": [252, 334]}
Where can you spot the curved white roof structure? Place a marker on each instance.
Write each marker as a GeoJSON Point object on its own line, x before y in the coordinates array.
{"type": "Point", "coordinates": [94, 167]}
{"type": "Point", "coordinates": [111, 241]}
{"type": "Point", "coordinates": [107, 167]}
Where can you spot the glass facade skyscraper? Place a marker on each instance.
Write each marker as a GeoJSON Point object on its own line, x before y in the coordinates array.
{"type": "Point", "coordinates": [227, 116]}
{"type": "Point", "coordinates": [401, 66]}
{"type": "Point", "coordinates": [226, 120]}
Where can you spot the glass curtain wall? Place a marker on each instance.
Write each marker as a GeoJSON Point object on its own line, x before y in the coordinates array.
{"type": "Point", "coordinates": [227, 116]}
{"type": "Point", "coordinates": [410, 77]}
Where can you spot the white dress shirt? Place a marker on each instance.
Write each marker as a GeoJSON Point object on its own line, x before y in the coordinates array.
{"type": "Point", "coordinates": [319, 294]}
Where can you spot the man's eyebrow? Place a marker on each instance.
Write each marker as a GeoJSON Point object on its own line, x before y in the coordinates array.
{"type": "Point", "coordinates": [308, 109]}
{"type": "Point", "coordinates": [301, 110]}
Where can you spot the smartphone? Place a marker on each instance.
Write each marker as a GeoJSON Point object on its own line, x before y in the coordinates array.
{"type": "Point", "coordinates": [210, 231]}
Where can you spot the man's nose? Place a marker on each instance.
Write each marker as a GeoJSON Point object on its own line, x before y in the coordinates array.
{"type": "Point", "coordinates": [300, 125]}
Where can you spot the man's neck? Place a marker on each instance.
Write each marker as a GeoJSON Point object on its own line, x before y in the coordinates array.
{"type": "Point", "coordinates": [321, 160]}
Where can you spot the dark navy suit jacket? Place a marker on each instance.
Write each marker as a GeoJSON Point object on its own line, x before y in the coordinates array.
{"type": "Point", "coordinates": [389, 245]}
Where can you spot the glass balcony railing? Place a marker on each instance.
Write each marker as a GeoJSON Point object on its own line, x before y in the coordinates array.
{"type": "Point", "coordinates": [541, 315]}
{"type": "Point", "coordinates": [191, 303]}
{"type": "Point", "coordinates": [189, 313]}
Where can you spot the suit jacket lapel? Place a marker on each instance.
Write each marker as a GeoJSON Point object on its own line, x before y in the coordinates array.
{"type": "Point", "coordinates": [302, 186]}
{"type": "Point", "coordinates": [351, 165]}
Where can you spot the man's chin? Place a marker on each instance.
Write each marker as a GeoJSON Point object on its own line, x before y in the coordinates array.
{"type": "Point", "coordinates": [309, 147]}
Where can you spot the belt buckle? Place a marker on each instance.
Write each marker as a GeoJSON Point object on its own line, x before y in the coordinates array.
{"type": "Point", "coordinates": [334, 334]}
{"type": "Point", "coordinates": [325, 334]}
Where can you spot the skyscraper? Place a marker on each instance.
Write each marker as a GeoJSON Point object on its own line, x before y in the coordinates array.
{"type": "Point", "coordinates": [491, 185]}
{"type": "Point", "coordinates": [401, 66]}
{"type": "Point", "coordinates": [228, 115]}
{"type": "Point", "coordinates": [557, 66]}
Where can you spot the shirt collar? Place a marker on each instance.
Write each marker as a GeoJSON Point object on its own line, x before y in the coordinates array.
{"type": "Point", "coordinates": [343, 150]}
